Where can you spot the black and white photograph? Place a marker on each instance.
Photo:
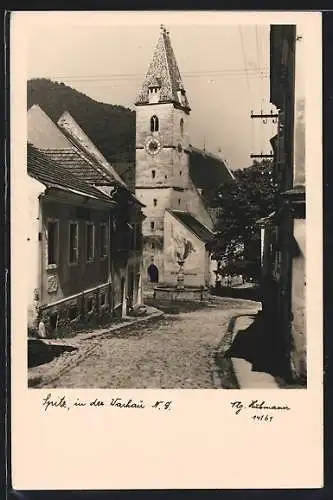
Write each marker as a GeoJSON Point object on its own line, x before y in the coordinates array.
{"type": "Point", "coordinates": [166, 191]}
{"type": "Point", "coordinates": [166, 250]}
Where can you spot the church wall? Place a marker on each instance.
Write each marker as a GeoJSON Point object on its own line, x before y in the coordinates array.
{"type": "Point", "coordinates": [179, 200]}
{"type": "Point", "coordinates": [178, 137]}
{"type": "Point", "coordinates": [153, 256]}
{"type": "Point", "coordinates": [180, 170]}
{"type": "Point", "coordinates": [195, 264]}
{"type": "Point", "coordinates": [161, 164]}
{"type": "Point", "coordinates": [196, 206]}
{"type": "Point", "coordinates": [154, 213]}
{"type": "Point", "coordinates": [164, 112]}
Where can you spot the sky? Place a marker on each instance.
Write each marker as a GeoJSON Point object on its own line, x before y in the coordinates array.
{"type": "Point", "coordinates": [224, 66]}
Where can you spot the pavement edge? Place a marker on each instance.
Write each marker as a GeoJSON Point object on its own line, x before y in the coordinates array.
{"type": "Point", "coordinates": [39, 380]}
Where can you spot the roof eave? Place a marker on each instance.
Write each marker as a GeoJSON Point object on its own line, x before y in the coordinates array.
{"type": "Point", "coordinates": [203, 240]}
{"type": "Point", "coordinates": [53, 188]}
{"type": "Point", "coordinates": [177, 105]}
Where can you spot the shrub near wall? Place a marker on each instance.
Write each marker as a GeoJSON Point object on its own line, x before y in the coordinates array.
{"type": "Point", "coordinates": [87, 311]}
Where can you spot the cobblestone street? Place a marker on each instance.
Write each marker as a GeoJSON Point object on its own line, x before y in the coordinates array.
{"type": "Point", "coordinates": [174, 351]}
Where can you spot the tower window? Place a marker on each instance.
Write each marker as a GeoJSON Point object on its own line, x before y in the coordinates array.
{"type": "Point", "coordinates": [181, 127]}
{"type": "Point", "coordinates": [155, 202]}
{"type": "Point", "coordinates": [178, 201]}
{"type": "Point", "coordinates": [152, 226]}
{"type": "Point", "coordinates": [154, 124]}
{"type": "Point", "coordinates": [180, 172]}
{"type": "Point", "coordinates": [153, 173]}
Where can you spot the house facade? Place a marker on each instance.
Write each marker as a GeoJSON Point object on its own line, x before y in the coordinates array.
{"type": "Point", "coordinates": [68, 241]}
{"type": "Point", "coordinates": [165, 168]}
{"type": "Point", "coordinates": [284, 232]}
{"type": "Point", "coordinates": [85, 234]}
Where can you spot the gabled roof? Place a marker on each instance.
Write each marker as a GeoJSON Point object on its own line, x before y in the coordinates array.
{"type": "Point", "coordinates": [43, 133]}
{"type": "Point", "coordinates": [64, 141]}
{"type": "Point", "coordinates": [54, 175]}
{"type": "Point", "coordinates": [72, 130]}
{"type": "Point", "coordinates": [70, 146]}
{"type": "Point", "coordinates": [164, 71]}
{"type": "Point", "coordinates": [195, 226]}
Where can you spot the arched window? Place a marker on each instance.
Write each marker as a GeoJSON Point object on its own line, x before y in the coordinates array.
{"type": "Point", "coordinates": [154, 125]}
{"type": "Point", "coordinates": [181, 127]}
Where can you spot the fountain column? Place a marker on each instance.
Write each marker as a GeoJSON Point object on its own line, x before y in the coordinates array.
{"type": "Point", "coordinates": [180, 275]}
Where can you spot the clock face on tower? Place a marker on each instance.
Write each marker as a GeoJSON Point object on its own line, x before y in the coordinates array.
{"type": "Point", "coordinates": [152, 145]}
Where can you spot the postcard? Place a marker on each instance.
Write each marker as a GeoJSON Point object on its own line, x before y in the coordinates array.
{"type": "Point", "coordinates": [166, 250]}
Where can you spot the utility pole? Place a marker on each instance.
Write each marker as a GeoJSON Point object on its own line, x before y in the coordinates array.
{"type": "Point", "coordinates": [264, 117]}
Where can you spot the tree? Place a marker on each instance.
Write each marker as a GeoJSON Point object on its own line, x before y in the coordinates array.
{"type": "Point", "coordinates": [242, 203]}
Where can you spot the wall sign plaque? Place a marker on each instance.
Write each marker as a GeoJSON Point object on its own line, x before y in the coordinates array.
{"type": "Point", "coordinates": [52, 284]}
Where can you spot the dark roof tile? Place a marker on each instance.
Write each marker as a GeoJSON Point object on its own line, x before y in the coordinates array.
{"type": "Point", "coordinates": [79, 166]}
{"type": "Point", "coordinates": [53, 174]}
{"type": "Point", "coordinates": [194, 225]}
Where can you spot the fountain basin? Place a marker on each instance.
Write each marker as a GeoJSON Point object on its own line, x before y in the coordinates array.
{"type": "Point", "coordinates": [187, 294]}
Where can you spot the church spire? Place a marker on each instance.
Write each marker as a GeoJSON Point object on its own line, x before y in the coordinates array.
{"type": "Point", "coordinates": [163, 76]}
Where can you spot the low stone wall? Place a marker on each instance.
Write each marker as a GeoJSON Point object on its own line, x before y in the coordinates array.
{"type": "Point", "coordinates": [86, 310]}
{"type": "Point", "coordinates": [172, 294]}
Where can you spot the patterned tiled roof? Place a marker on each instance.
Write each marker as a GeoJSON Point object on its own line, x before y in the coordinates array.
{"type": "Point", "coordinates": [79, 166]}
{"type": "Point", "coordinates": [76, 135]}
{"type": "Point", "coordinates": [163, 70]}
{"type": "Point", "coordinates": [195, 226]}
{"type": "Point", "coordinates": [53, 174]}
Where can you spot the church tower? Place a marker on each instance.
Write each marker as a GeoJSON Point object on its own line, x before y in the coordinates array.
{"type": "Point", "coordinates": [162, 169]}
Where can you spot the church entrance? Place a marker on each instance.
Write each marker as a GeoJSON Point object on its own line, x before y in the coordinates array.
{"type": "Point", "coordinates": [153, 273]}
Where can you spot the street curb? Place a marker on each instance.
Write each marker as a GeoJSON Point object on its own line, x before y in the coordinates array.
{"type": "Point", "coordinates": [40, 380]}
{"type": "Point", "coordinates": [221, 359]}
{"type": "Point", "coordinates": [233, 361]}
{"type": "Point", "coordinates": [233, 334]}
{"type": "Point", "coordinates": [222, 363]}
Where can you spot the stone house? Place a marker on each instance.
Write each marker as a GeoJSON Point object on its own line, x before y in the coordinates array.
{"type": "Point", "coordinates": [283, 233]}
{"type": "Point", "coordinates": [94, 223]}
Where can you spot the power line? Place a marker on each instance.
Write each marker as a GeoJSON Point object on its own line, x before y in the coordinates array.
{"type": "Point", "coordinates": [134, 76]}
{"type": "Point", "coordinates": [109, 83]}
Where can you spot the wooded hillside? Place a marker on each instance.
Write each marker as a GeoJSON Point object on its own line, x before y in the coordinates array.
{"type": "Point", "coordinates": [110, 127]}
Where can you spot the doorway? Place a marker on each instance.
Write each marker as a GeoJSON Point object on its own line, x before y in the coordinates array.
{"type": "Point", "coordinates": [153, 273]}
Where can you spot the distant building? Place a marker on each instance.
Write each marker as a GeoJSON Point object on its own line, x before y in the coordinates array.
{"type": "Point", "coordinates": [283, 232]}
{"type": "Point", "coordinates": [172, 176]}
{"type": "Point", "coordinates": [85, 237]}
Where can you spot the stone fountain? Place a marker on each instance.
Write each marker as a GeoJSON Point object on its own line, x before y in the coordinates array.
{"type": "Point", "coordinates": [179, 292]}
